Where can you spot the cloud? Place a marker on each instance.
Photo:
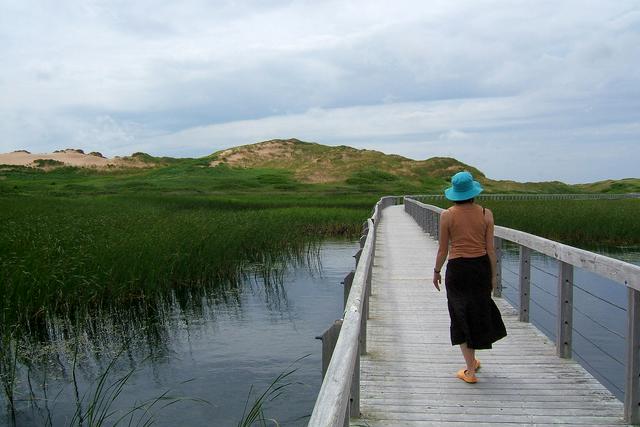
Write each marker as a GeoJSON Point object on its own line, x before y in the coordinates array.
{"type": "Point", "coordinates": [414, 78]}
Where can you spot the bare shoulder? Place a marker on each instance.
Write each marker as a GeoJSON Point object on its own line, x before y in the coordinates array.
{"type": "Point", "coordinates": [445, 215]}
{"type": "Point", "coordinates": [488, 214]}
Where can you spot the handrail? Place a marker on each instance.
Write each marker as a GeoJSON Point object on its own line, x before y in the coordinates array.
{"type": "Point", "coordinates": [428, 216]}
{"type": "Point", "coordinates": [337, 397]}
{"type": "Point", "coordinates": [537, 196]}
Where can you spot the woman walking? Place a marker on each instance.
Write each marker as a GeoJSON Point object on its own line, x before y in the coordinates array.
{"type": "Point", "coordinates": [466, 236]}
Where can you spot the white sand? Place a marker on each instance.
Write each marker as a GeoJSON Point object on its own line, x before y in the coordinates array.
{"type": "Point", "coordinates": [69, 158]}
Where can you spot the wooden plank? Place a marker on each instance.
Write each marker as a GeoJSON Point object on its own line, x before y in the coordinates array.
{"type": "Point", "coordinates": [564, 325]}
{"type": "Point", "coordinates": [329, 339]}
{"type": "Point", "coordinates": [408, 376]}
{"type": "Point", "coordinates": [525, 282]}
{"type": "Point", "coordinates": [497, 292]}
{"type": "Point", "coordinates": [346, 282]}
{"type": "Point", "coordinates": [632, 386]}
{"type": "Point", "coordinates": [334, 397]}
{"type": "Point", "coordinates": [616, 270]}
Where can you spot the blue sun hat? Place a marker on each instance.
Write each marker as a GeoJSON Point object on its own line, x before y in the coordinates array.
{"type": "Point", "coordinates": [463, 188]}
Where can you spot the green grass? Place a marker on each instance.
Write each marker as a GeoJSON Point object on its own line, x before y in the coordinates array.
{"type": "Point", "coordinates": [74, 238]}
{"type": "Point", "coordinates": [78, 242]}
{"type": "Point", "coordinates": [61, 253]}
{"type": "Point", "coordinates": [582, 223]}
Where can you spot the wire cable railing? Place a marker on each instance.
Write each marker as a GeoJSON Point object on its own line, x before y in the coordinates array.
{"type": "Point", "coordinates": [612, 304]}
{"type": "Point", "coordinates": [611, 331]}
{"type": "Point", "coordinates": [566, 258]}
{"type": "Point", "coordinates": [543, 289]}
{"type": "Point", "coordinates": [599, 372]}
{"type": "Point", "coordinates": [548, 273]}
{"type": "Point", "coordinates": [543, 308]}
{"type": "Point", "coordinates": [612, 357]}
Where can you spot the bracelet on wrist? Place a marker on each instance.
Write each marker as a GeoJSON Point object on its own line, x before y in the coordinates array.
{"type": "Point", "coordinates": [436, 271]}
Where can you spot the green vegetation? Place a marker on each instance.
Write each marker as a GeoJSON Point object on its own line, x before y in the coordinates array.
{"type": "Point", "coordinates": [59, 254]}
{"type": "Point", "coordinates": [76, 243]}
{"type": "Point", "coordinates": [96, 407]}
{"type": "Point", "coordinates": [73, 237]}
{"type": "Point", "coordinates": [255, 414]}
{"type": "Point", "coordinates": [342, 165]}
{"type": "Point", "coordinates": [81, 244]}
{"type": "Point", "coordinates": [47, 163]}
{"type": "Point", "coordinates": [583, 223]}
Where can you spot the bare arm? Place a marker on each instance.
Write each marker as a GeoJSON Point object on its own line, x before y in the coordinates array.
{"type": "Point", "coordinates": [443, 248]}
{"type": "Point", "coordinates": [491, 251]}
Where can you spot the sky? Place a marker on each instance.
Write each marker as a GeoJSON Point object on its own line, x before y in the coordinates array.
{"type": "Point", "coordinates": [531, 90]}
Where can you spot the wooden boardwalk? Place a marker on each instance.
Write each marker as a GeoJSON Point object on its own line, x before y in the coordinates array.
{"type": "Point", "coordinates": [408, 375]}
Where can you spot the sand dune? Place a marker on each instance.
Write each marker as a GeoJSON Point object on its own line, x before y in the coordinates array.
{"type": "Point", "coordinates": [69, 157]}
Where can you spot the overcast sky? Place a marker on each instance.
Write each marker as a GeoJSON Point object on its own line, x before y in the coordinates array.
{"type": "Point", "coordinates": [526, 90]}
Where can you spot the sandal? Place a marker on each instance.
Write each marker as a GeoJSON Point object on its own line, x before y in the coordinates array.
{"type": "Point", "coordinates": [477, 365]}
{"type": "Point", "coordinates": [463, 374]}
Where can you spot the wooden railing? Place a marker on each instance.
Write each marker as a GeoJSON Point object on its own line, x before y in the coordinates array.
{"type": "Point", "coordinates": [534, 196]}
{"type": "Point", "coordinates": [346, 339]}
{"type": "Point", "coordinates": [568, 257]}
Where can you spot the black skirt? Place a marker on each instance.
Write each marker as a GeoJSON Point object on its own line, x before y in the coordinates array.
{"type": "Point", "coordinates": [475, 319]}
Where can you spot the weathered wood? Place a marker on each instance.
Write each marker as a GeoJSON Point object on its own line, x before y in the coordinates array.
{"type": "Point", "coordinates": [336, 399]}
{"type": "Point", "coordinates": [354, 399]}
{"type": "Point", "coordinates": [347, 281]}
{"type": "Point", "coordinates": [497, 243]}
{"type": "Point", "coordinates": [329, 339]}
{"type": "Point", "coordinates": [525, 282]}
{"type": "Point", "coordinates": [610, 268]}
{"type": "Point", "coordinates": [357, 256]}
{"type": "Point", "coordinates": [564, 324]}
{"type": "Point", "coordinates": [632, 378]}
{"type": "Point", "coordinates": [408, 378]}
{"type": "Point", "coordinates": [601, 196]}
{"type": "Point", "coordinates": [363, 322]}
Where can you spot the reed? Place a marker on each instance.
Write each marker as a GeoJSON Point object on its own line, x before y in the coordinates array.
{"type": "Point", "coordinates": [255, 413]}
{"type": "Point", "coordinates": [584, 223]}
{"type": "Point", "coordinates": [59, 255]}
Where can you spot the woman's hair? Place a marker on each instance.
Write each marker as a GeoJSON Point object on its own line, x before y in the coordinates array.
{"type": "Point", "coordinates": [462, 202]}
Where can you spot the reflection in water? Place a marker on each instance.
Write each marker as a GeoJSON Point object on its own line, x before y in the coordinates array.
{"type": "Point", "coordinates": [203, 343]}
{"type": "Point", "coordinates": [599, 311]}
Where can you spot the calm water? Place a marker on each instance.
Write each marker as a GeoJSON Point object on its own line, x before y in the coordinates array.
{"type": "Point", "coordinates": [215, 347]}
{"type": "Point", "coordinates": [599, 312]}
{"type": "Point", "coordinates": [216, 350]}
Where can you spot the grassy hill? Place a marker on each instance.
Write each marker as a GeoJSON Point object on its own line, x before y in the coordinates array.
{"type": "Point", "coordinates": [277, 165]}
{"type": "Point", "coordinates": [368, 169]}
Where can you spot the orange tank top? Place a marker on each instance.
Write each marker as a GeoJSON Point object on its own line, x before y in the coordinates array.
{"type": "Point", "coordinates": [467, 230]}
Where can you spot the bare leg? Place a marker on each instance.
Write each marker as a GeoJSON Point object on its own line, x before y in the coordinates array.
{"type": "Point", "coordinates": [469, 357]}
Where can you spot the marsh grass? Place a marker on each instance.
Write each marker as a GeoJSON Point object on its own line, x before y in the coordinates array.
{"type": "Point", "coordinates": [61, 254]}
{"type": "Point", "coordinates": [78, 247]}
{"type": "Point", "coordinates": [255, 413]}
{"type": "Point", "coordinates": [588, 224]}
{"type": "Point", "coordinates": [8, 369]}
{"type": "Point", "coordinates": [97, 407]}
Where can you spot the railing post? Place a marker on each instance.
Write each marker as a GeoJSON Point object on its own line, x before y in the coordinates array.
{"type": "Point", "coordinates": [357, 256]}
{"type": "Point", "coordinates": [353, 408]}
{"type": "Point", "coordinates": [428, 221]}
{"type": "Point", "coordinates": [525, 282]}
{"type": "Point", "coordinates": [329, 339]}
{"type": "Point", "coordinates": [436, 224]}
{"type": "Point", "coordinates": [565, 310]}
{"type": "Point", "coordinates": [363, 327]}
{"type": "Point", "coordinates": [497, 243]}
{"type": "Point", "coordinates": [632, 386]}
{"type": "Point", "coordinates": [347, 281]}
